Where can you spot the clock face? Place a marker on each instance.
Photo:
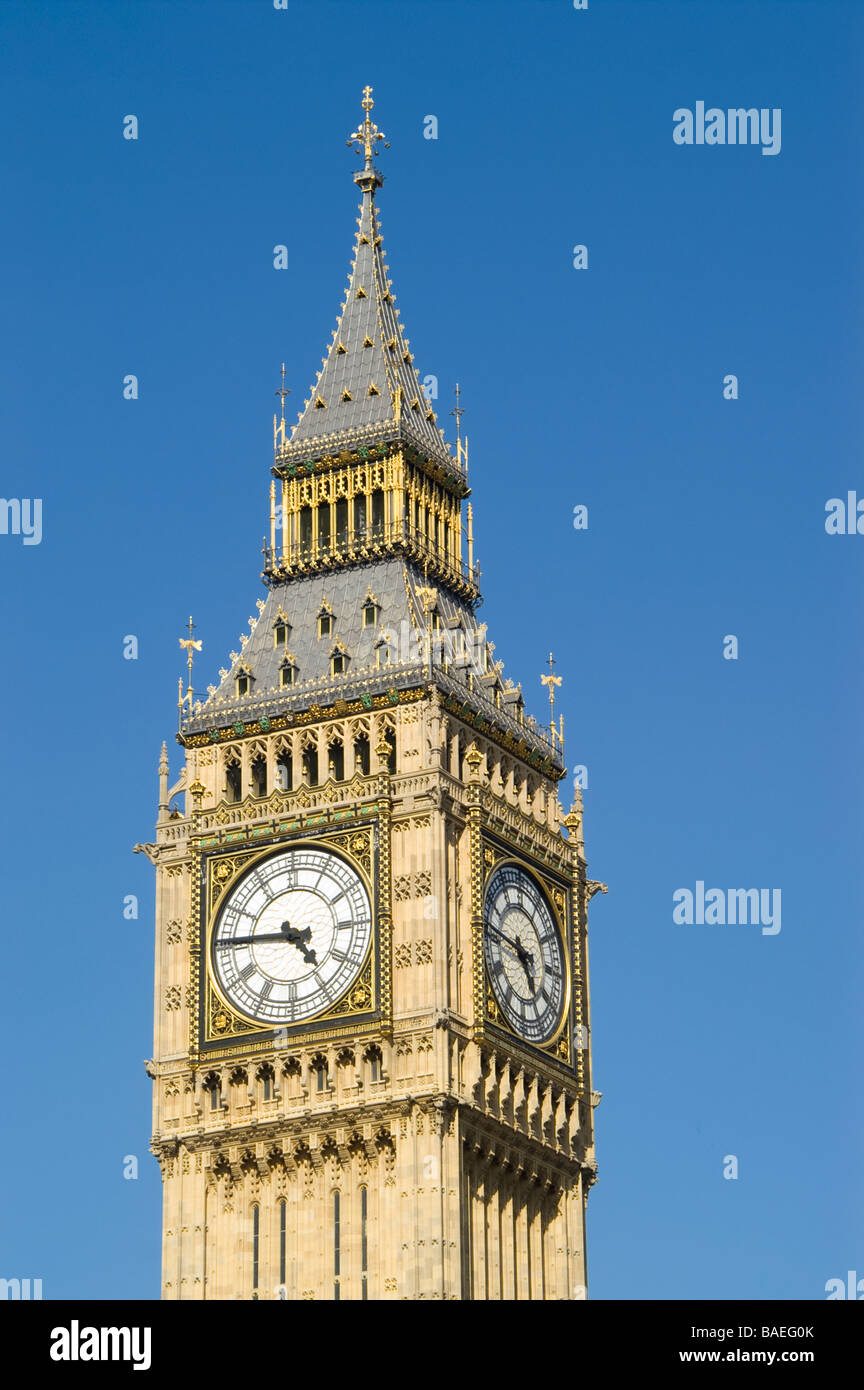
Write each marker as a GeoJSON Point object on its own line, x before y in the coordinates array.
{"type": "Point", "coordinates": [524, 955]}
{"type": "Point", "coordinates": [291, 936]}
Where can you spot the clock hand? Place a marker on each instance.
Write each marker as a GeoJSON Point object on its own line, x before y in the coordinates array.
{"type": "Point", "coordinates": [250, 940]}
{"type": "Point", "coordinates": [300, 939]}
{"type": "Point", "coordinates": [510, 942]}
{"type": "Point", "coordinates": [527, 959]}
{"type": "Point", "coordinates": [288, 935]}
{"type": "Point", "coordinates": [523, 956]}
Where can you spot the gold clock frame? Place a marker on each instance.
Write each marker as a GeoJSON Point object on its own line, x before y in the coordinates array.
{"type": "Point", "coordinates": [216, 1027]}
{"type": "Point", "coordinates": [488, 854]}
{"type": "Point", "coordinates": [498, 1015]}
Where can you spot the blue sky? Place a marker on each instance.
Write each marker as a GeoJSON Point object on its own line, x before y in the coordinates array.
{"type": "Point", "coordinates": [601, 387]}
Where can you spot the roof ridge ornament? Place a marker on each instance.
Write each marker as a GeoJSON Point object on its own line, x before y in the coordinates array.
{"type": "Point", "coordinates": [366, 139]}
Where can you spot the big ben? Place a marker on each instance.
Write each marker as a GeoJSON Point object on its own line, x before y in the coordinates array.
{"type": "Point", "coordinates": [372, 1065]}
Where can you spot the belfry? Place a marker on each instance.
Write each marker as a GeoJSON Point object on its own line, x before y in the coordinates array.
{"type": "Point", "coordinates": [372, 1074]}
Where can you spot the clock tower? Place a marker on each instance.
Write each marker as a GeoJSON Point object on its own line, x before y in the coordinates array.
{"type": "Point", "coordinates": [372, 1067]}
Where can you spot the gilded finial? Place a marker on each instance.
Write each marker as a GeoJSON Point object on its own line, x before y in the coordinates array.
{"type": "Point", "coordinates": [550, 682]}
{"type": "Point", "coordinates": [365, 140]}
{"type": "Point", "coordinates": [279, 440]}
{"type": "Point", "coordinates": [458, 410]}
{"type": "Point", "coordinates": [190, 646]}
{"type": "Point", "coordinates": [282, 393]}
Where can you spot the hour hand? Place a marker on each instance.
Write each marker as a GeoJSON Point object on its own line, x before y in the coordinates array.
{"type": "Point", "coordinates": [504, 937]}
{"type": "Point", "coordinates": [300, 937]}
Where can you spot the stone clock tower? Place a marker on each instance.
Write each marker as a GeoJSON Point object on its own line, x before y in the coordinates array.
{"type": "Point", "coordinates": [372, 1074]}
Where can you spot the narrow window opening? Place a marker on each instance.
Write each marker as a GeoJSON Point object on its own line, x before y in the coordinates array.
{"type": "Point", "coordinates": [342, 521]}
{"type": "Point", "coordinates": [336, 762]}
{"type": "Point", "coordinates": [324, 525]}
{"type": "Point", "coordinates": [259, 777]}
{"type": "Point", "coordinates": [233, 781]}
{"type": "Point", "coordinates": [310, 766]}
{"type": "Point", "coordinates": [361, 755]}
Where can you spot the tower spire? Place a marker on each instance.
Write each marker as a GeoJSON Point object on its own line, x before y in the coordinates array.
{"type": "Point", "coordinates": [368, 388]}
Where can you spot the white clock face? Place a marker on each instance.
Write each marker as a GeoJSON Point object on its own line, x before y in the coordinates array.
{"type": "Point", "coordinates": [291, 936]}
{"type": "Point", "coordinates": [524, 955]}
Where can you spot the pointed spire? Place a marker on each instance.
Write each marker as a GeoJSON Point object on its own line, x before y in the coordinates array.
{"type": "Point", "coordinates": [368, 388]}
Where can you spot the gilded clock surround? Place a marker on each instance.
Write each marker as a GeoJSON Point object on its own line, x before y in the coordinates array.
{"type": "Point", "coordinates": [459, 1155]}
{"type": "Point", "coordinates": [217, 1018]}
{"type": "Point", "coordinates": [554, 891]}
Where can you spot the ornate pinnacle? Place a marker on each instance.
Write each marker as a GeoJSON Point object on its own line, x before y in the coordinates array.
{"type": "Point", "coordinates": [550, 682]}
{"type": "Point", "coordinates": [365, 140]}
{"type": "Point", "coordinates": [190, 645]}
{"type": "Point", "coordinates": [474, 759]}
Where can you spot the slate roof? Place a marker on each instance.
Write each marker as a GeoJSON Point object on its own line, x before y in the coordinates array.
{"type": "Point", "coordinates": [394, 583]}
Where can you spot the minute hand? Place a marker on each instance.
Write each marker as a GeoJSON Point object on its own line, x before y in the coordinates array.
{"type": "Point", "coordinates": [520, 950]}
{"type": "Point", "coordinates": [253, 940]}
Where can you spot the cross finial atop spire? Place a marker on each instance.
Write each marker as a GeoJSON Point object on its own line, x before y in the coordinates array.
{"type": "Point", "coordinates": [459, 410]}
{"type": "Point", "coordinates": [190, 645]}
{"type": "Point", "coordinates": [283, 392]}
{"type": "Point", "coordinates": [550, 682]}
{"type": "Point", "coordinates": [366, 139]}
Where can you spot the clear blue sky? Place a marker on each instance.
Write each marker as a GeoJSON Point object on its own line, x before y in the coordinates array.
{"type": "Point", "coordinates": [601, 387]}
